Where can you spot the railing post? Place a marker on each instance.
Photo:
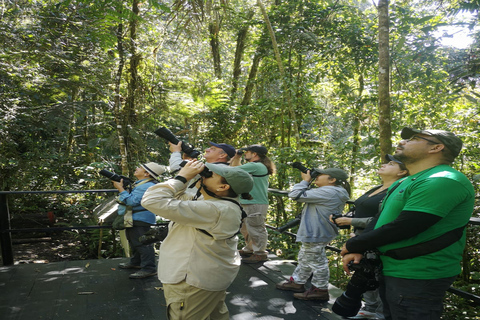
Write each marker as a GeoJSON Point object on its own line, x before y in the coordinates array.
{"type": "Point", "coordinates": [5, 236]}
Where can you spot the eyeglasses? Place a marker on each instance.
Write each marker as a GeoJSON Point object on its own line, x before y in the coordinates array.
{"type": "Point", "coordinates": [418, 137]}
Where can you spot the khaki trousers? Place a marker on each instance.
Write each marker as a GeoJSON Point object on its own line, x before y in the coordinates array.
{"type": "Point", "coordinates": [253, 228]}
{"type": "Point", "coordinates": [185, 302]}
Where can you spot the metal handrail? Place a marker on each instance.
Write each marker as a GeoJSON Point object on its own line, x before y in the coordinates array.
{"type": "Point", "coordinates": [6, 240]}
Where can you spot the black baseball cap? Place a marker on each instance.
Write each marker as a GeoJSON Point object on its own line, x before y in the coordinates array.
{"type": "Point", "coordinates": [230, 150]}
{"type": "Point", "coordinates": [389, 158]}
{"type": "Point", "coordinates": [257, 148]}
{"type": "Point", "coordinates": [449, 139]}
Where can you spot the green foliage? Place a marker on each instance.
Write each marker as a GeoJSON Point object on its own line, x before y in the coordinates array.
{"type": "Point", "coordinates": [58, 125]}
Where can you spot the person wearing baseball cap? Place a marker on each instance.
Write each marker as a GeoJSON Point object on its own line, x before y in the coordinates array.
{"type": "Point", "coordinates": [316, 230]}
{"type": "Point", "coordinates": [420, 230]}
{"type": "Point", "coordinates": [199, 257]}
{"type": "Point", "coordinates": [219, 153]}
{"type": "Point", "coordinates": [453, 144]}
{"type": "Point", "coordinates": [253, 227]}
{"type": "Point", "coordinates": [137, 220]}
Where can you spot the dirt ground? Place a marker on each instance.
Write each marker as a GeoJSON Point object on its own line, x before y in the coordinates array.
{"type": "Point", "coordinates": [44, 247]}
{"type": "Point", "coordinates": [56, 247]}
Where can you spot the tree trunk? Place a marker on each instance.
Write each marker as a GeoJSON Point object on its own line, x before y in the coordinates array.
{"type": "Point", "coordinates": [247, 97]}
{"type": "Point", "coordinates": [214, 29]}
{"type": "Point", "coordinates": [130, 110]}
{"type": "Point", "coordinates": [384, 117]}
{"type": "Point", "coordinates": [117, 104]}
{"type": "Point", "coordinates": [241, 36]}
{"type": "Point", "coordinates": [292, 123]}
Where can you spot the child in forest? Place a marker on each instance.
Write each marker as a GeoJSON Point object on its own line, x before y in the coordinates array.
{"type": "Point", "coordinates": [316, 230]}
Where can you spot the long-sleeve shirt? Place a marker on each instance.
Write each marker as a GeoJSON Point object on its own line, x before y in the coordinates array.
{"type": "Point", "coordinates": [320, 203]}
{"type": "Point", "coordinates": [133, 199]}
{"type": "Point", "coordinates": [206, 261]}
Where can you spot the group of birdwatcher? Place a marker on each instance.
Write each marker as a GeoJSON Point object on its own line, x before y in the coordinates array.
{"type": "Point", "coordinates": [414, 221]}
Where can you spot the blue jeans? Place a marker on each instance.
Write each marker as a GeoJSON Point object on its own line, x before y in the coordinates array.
{"type": "Point", "coordinates": [413, 299]}
{"type": "Point", "coordinates": [142, 255]}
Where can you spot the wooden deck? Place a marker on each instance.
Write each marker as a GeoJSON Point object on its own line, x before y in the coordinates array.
{"type": "Point", "coordinates": [98, 289]}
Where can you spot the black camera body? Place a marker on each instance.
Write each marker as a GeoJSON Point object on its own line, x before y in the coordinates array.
{"type": "Point", "coordinates": [313, 173]}
{"type": "Point", "coordinates": [335, 216]}
{"type": "Point", "coordinates": [365, 278]}
{"type": "Point", "coordinates": [170, 137]}
{"type": "Point", "coordinates": [155, 234]}
{"type": "Point", "coordinates": [206, 173]}
{"type": "Point", "coordinates": [127, 182]}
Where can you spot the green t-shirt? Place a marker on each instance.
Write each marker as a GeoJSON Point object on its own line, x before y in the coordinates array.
{"type": "Point", "coordinates": [444, 192]}
{"type": "Point", "coordinates": [260, 176]}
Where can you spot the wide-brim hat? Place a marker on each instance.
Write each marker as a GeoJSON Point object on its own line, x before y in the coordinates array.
{"type": "Point", "coordinates": [239, 180]}
{"type": "Point", "coordinates": [154, 169]}
{"type": "Point", "coordinates": [230, 150]}
{"type": "Point", "coordinates": [449, 139]}
{"type": "Point", "coordinates": [336, 173]}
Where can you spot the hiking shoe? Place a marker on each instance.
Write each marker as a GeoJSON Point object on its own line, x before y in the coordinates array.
{"type": "Point", "coordinates": [290, 285]}
{"type": "Point", "coordinates": [313, 293]}
{"type": "Point", "coordinates": [142, 274]}
{"type": "Point", "coordinates": [364, 314]}
{"type": "Point", "coordinates": [245, 253]}
{"type": "Point", "coordinates": [255, 258]}
{"type": "Point", "coordinates": [127, 265]}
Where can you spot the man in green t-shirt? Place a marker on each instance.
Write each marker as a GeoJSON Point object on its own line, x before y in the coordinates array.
{"type": "Point", "coordinates": [420, 230]}
{"type": "Point", "coordinates": [253, 226]}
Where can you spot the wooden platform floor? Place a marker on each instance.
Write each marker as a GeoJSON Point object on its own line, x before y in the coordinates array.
{"type": "Point", "coordinates": [98, 289]}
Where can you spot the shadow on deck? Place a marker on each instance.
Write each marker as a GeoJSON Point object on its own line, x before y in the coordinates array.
{"type": "Point", "coordinates": [97, 289]}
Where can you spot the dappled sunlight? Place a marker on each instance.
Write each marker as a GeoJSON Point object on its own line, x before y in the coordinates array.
{"type": "Point", "coordinates": [281, 306]}
{"type": "Point", "coordinates": [65, 271]}
{"type": "Point", "coordinates": [250, 315]}
{"type": "Point", "coordinates": [243, 301]}
{"type": "Point", "coordinates": [257, 282]}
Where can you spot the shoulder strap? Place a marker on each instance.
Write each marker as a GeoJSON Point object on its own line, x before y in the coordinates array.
{"type": "Point", "coordinates": [427, 247]}
{"type": "Point", "coordinates": [244, 215]}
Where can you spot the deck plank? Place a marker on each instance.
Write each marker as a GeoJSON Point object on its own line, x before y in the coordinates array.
{"type": "Point", "coordinates": [98, 289]}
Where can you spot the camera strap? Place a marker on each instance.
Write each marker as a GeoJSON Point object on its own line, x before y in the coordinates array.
{"type": "Point", "coordinates": [427, 247]}
{"type": "Point", "coordinates": [244, 214]}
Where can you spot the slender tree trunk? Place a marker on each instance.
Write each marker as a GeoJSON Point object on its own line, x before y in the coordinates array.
{"type": "Point", "coordinates": [214, 30]}
{"type": "Point", "coordinates": [247, 97]}
{"type": "Point", "coordinates": [117, 104]}
{"type": "Point", "coordinates": [241, 36]}
{"type": "Point", "coordinates": [384, 118]}
{"type": "Point", "coordinates": [292, 123]}
{"type": "Point", "coordinates": [130, 110]}
{"type": "Point", "coordinates": [356, 128]}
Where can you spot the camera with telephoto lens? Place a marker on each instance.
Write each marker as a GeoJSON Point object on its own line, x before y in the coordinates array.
{"type": "Point", "coordinates": [155, 234]}
{"type": "Point", "coordinates": [290, 224]}
{"type": "Point", "coordinates": [127, 182]}
{"type": "Point", "coordinates": [170, 137]}
{"type": "Point", "coordinates": [206, 173]}
{"type": "Point", "coordinates": [313, 173]}
{"type": "Point", "coordinates": [365, 278]}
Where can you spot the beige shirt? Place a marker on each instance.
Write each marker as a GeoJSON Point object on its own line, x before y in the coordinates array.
{"type": "Point", "coordinates": [203, 261]}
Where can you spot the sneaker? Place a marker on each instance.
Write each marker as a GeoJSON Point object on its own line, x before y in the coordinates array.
{"type": "Point", "coordinates": [142, 274]}
{"type": "Point", "coordinates": [127, 265]}
{"type": "Point", "coordinates": [364, 314]}
{"type": "Point", "coordinates": [313, 293]}
{"type": "Point", "coordinates": [245, 253]}
{"type": "Point", "coordinates": [255, 258]}
{"type": "Point", "coordinates": [290, 285]}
